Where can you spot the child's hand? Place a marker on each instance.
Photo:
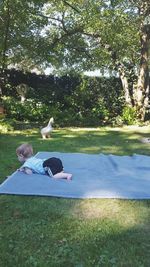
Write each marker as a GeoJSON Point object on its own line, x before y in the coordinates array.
{"type": "Point", "coordinates": [28, 171]}
{"type": "Point", "coordinates": [69, 176]}
{"type": "Point", "coordinates": [20, 170]}
{"type": "Point", "coordinates": [25, 170]}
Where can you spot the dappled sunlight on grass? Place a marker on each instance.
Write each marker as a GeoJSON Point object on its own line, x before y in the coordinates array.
{"type": "Point", "coordinates": [91, 149]}
{"type": "Point", "coordinates": [69, 135]}
{"type": "Point", "coordinates": [84, 129]}
{"type": "Point", "coordinates": [128, 214]}
{"type": "Point", "coordinates": [138, 128]}
{"type": "Point", "coordinates": [130, 128]}
{"type": "Point", "coordinates": [107, 140]}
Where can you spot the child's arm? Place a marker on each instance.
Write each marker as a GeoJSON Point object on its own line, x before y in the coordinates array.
{"type": "Point", "coordinates": [63, 175]}
{"type": "Point", "coordinates": [25, 170]}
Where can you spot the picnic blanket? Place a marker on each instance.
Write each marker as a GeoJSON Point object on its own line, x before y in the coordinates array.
{"type": "Point", "coordinates": [94, 176]}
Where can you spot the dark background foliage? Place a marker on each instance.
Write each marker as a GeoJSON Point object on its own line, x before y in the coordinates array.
{"type": "Point", "coordinates": [71, 99]}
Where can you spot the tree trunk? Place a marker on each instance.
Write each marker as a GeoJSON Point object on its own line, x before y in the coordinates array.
{"type": "Point", "coordinates": [5, 45]}
{"type": "Point", "coordinates": [141, 92]}
{"type": "Point", "coordinates": [125, 86]}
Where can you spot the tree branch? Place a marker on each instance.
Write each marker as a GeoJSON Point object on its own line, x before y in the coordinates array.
{"type": "Point", "coordinates": [68, 4]}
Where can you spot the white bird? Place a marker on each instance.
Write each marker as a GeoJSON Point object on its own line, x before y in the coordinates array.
{"type": "Point", "coordinates": [45, 132]}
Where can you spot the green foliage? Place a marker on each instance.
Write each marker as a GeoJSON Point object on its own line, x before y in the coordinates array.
{"type": "Point", "coordinates": [70, 100]}
{"type": "Point", "coordinates": [84, 31]}
{"type": "Point", "coordinates": [92, 34]}
{"type": "Point", "coordinates": [74, 36]}
{"type": "Point", "coordinates": [20, 40]}
{"type": "Point", "coordinates": [6, 125]}
{"type": "Point", "coordinates": [116, 121]}
{"type": "Point", "coordinates": [129, 115]}
{"type": "Point", "coordinates": [30, 110]}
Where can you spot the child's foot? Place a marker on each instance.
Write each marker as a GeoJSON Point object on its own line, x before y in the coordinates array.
{"type": "Point", "coordinates": [69, 176]}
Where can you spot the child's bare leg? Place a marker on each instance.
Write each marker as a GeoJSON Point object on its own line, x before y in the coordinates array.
{"type": "Point", "coordinates": [63, 175]}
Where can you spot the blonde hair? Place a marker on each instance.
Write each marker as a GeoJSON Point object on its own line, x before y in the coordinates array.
{"type": "Point", "coordinates": [25, 149]}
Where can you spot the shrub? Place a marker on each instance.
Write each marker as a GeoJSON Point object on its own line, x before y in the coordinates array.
{"type": "Point", "coordinates": [6, 126]}
{"type": "Point", "coordinates": [116, 121]}
{"type": "Point", "coordinates": [129, 115]}
{"type": "Point", "coordinates": [78, 101]}
{"type": "Point", "coordinates": [27, 111]}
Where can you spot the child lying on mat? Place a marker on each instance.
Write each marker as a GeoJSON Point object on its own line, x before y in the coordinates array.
{"type": "Point", "coordinates": [52, 166]}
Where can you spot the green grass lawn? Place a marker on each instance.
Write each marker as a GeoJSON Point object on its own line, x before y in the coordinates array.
{"type": "Point", "coordinates": [51, 232]}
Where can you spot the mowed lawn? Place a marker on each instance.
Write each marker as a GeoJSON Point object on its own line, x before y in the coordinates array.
{"type": "Point", "coordinates": [49, 232]}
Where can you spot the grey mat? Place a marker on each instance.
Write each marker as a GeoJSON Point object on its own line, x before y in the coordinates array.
{"type": "Point", "coordinates": [94, 176]}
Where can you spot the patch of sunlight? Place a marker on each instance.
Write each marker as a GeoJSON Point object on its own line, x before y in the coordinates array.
{"type": "Point", "coordinates": [90, 149]}
{"type": "Point", "coordinates": [57, 130]}
{"type": "Point", "coordinates": [42, 141]}
{"type": "Point", "coordinates": [117, 129]}
{"type": "Point", "coordinates": [101, 149]}
{"type": "Point", "coordinates": [142, 129]}
{"type": "Point", "coordinates": [69, 135]}
{"type": "Point", "coordinates": [123, 212]}
{"type": "Point", "coordinates": [129, 128]}
{"type": "Point", "coordinates": [23, 132]}
{"type": "Point", "coordinates": [83, 129]}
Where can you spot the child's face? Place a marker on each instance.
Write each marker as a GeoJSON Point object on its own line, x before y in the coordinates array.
{"type": "Point", "coordinates": [21, 158]}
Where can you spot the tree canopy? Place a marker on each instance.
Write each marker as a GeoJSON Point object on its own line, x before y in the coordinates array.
{"type": "Point", "coordinates": [79, 35]}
